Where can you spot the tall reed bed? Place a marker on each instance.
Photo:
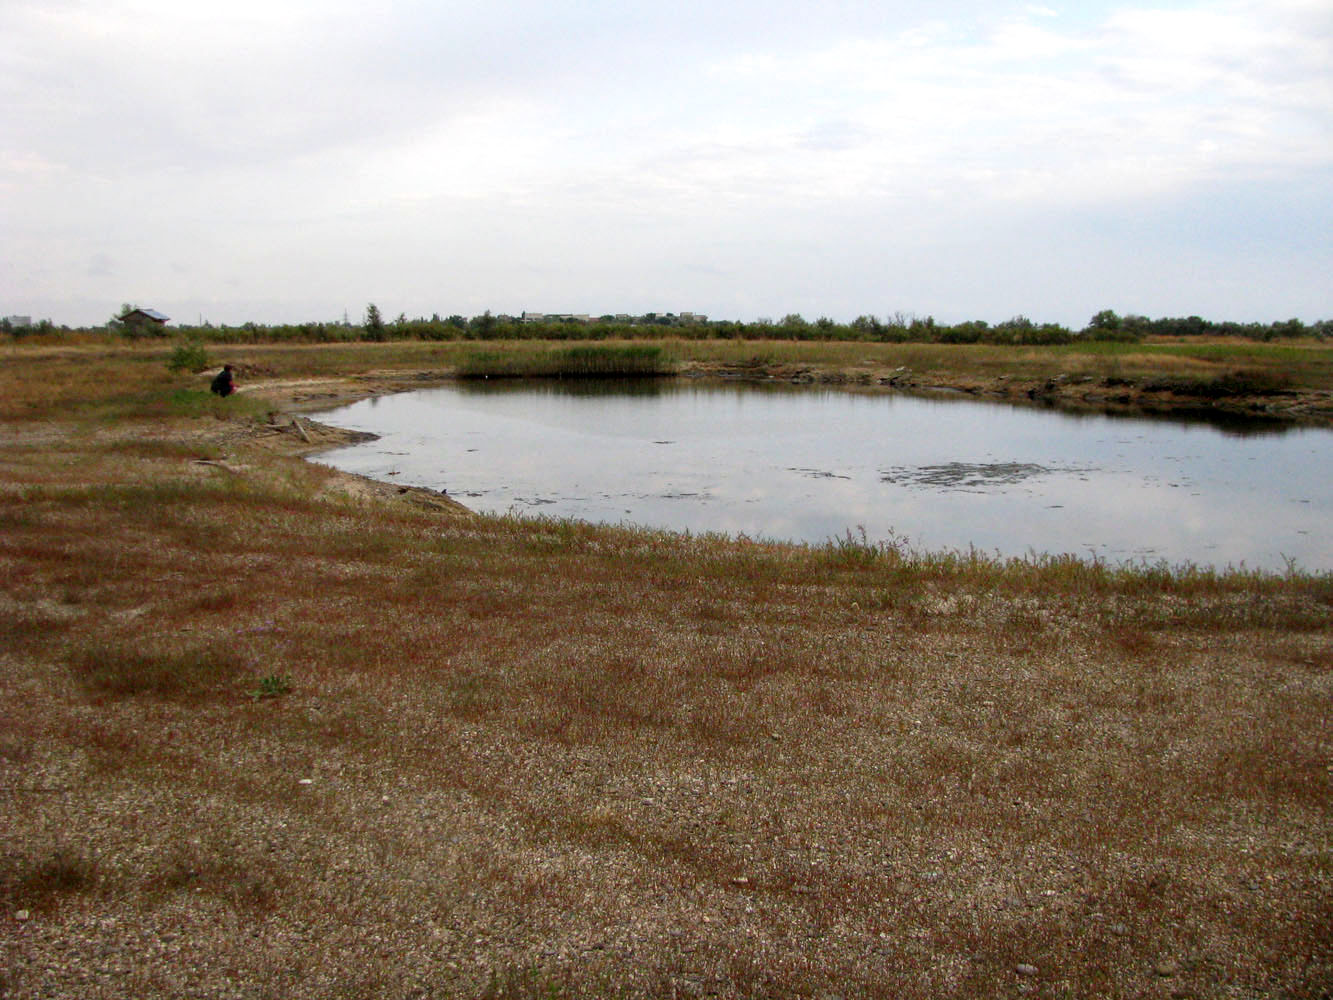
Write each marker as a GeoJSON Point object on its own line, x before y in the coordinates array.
{"type": "Point", "coordinates": [588, 361]}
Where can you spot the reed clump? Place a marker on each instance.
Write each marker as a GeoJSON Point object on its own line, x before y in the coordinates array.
{"type": "Point", "coordinates": [590, 361]}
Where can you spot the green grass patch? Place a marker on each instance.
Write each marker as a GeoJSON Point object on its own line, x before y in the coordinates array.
{"type": "Point", "coordinates": [271, 686]}
{"type": "Point", "coordinates": [202, 403]}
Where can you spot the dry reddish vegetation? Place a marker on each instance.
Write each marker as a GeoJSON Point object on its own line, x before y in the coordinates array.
{"type": "Point", "coordinates": [263, 738]}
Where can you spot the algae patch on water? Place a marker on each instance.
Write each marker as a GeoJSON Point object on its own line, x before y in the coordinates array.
{"type": "Point", "coordinates": [971, 476]}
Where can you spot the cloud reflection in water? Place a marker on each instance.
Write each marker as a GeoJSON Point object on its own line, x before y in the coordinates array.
{"type": "Point", "coordinates": [807, 464]}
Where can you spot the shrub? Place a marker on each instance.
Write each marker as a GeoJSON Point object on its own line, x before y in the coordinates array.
{"type": "Point", "coordinates": [189, 356]}
{"type": "Point", "coordinates": [272, 686]}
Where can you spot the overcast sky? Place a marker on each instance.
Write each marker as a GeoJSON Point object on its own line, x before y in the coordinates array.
{"type": "Point", "coordinates": [286, 160]}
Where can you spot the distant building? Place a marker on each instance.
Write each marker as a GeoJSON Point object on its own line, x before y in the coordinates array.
{"type": "Point", "coordinates": [19, 320]}
{"type": "Point", "coordinates": [144, 319]}
{"type": "Point", "coordinates": [144, 316]}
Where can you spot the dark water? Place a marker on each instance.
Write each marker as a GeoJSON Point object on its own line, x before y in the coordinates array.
{"type": "Point", "coordinates": [809, 464]}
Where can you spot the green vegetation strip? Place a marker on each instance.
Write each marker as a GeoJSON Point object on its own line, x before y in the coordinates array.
{"type": "Point", "coordinates": [593, 361]}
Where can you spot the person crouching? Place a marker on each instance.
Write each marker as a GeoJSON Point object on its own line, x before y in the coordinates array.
{"type": "Point", "coordinates": [222, 383]}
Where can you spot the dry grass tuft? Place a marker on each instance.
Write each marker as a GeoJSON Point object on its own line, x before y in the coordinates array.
{"type": "Point", "coordinates": [187, 673]}
{"type": "Point", "coordinates": [40, 882]}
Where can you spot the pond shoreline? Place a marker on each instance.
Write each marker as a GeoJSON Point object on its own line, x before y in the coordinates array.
{"type": "Point", "coordinates": [806, 463]}
{"type": "Point", "coordinates": [297, 398]}
{"type": "Point", "coordinates": [1071, 393]}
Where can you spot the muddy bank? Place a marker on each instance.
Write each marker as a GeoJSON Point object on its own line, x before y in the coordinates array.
{"type": "Point", "coordinates": [311, 395]}
{"type": "Point", "coordinates": [296, 435]}
{"type": "Point", "coordinates": [1076, 393]}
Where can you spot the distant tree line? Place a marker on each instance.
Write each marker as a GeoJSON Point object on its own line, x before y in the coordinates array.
{"type": "Point", "coordinates": [1106, 325]}
{"type": "Point", "coordinates": [20, 330]}
{"type": "Point", "coordinates": [897, 328]}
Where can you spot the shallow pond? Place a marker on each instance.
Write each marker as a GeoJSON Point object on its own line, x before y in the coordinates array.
{"type": "Point", "coordinates": [807, 464]}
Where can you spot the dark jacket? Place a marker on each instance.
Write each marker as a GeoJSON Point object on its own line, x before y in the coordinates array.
{"type": "Point", "coordinates": [222, 383]}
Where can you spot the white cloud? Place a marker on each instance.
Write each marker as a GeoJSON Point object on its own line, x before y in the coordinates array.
{"type": "Point", "coordinates": [634, 139]}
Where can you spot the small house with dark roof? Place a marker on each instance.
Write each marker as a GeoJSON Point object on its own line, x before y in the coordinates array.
{"type": "Point", "coordinates": [144, 317]}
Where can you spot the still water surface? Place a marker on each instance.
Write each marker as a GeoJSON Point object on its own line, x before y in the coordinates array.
{"type": "Point", "coordinates": [807, 464]}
